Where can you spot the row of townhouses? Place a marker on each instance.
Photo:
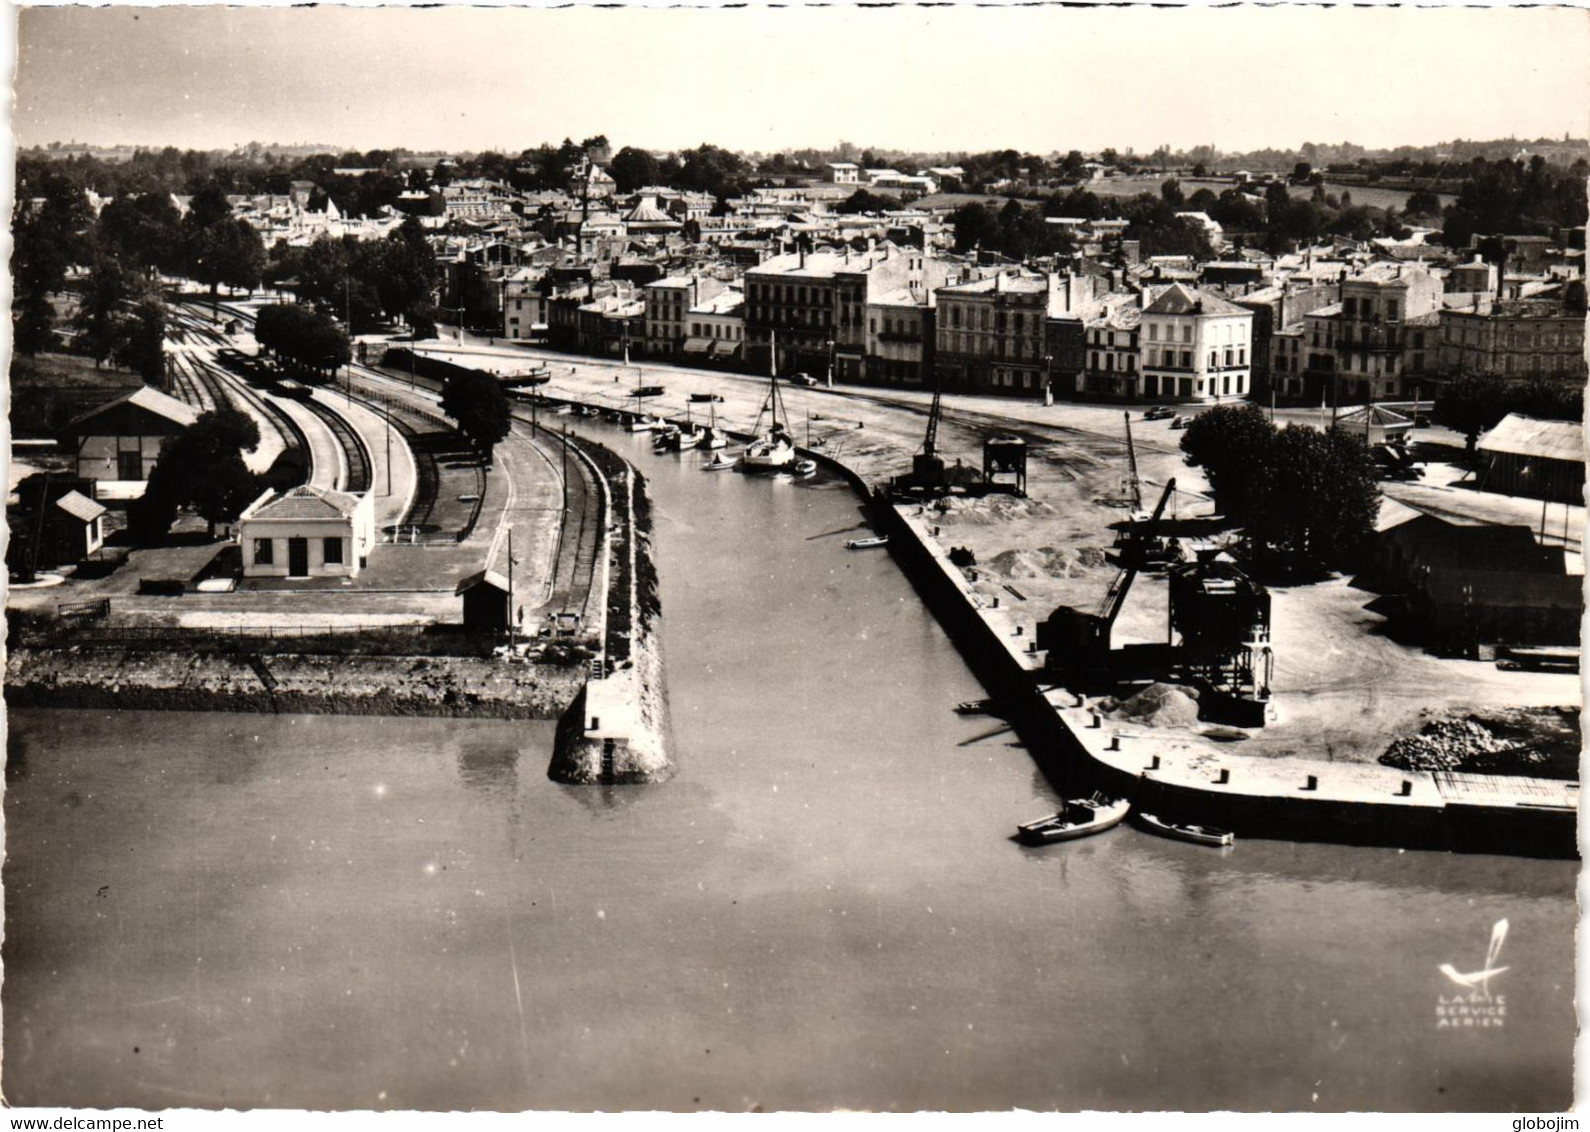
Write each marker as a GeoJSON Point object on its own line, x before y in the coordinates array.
{"type": "Point", "coordinates": [781, 278]}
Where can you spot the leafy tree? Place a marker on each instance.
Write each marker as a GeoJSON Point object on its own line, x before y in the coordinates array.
{"type": "Point", "coordinates": [32, 324]}
{"type": "Point", "coordinates": [1423, 203]}
{"type": "Point", "coordinates": [477, 403]}
{"type": "Point", "coordinates": [143, 232]}
{"type": "Point", "coordinates": [1302, 173]}
{"type": "Point", "coordinates": [633, 168]}
{"type": "Point", "coordinates": [403, 271]}
{"type": "Point", "coordinates": [201, 467]}
{"type": "Point", "coordinates": [1170, 193]}
{"type": "Point", "coordinates": [975, 225]}
{"type": "Point", "coordinates": [101, 313]}
{"type": "Point", "coordinates": [421, 318]}
{"type": "Point", "coordinates": [709, 169]}
{"type": "Point", "coordinates": [863, 201]}
{"type": "Point", "coordinates": [1228, 442]}
{"type": "Point", "coordinates": [228, 251]}
{"type": "Point", "coordinates": [1470, 403]}
{"type": "Point", "coordinates": [303, 336]}
{"type": "Point", "coordinates": [143, 346]}
{"type": "Point", "coordinates": [1314, 496]}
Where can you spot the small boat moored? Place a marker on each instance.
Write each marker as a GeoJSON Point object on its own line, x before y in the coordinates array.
{"type": "Point", "coordinates": [1081, 817]}
{"type": "Point", "coordinates": [976, 707]}
{"type": "Point", "coordinates": [719, 463]}
{"type": "Point", "coordinates": [867, 543]}
{"type": "Point", "coordinates": [1197, 834]}
{"type": "Point", "coordinates": [804, 468]}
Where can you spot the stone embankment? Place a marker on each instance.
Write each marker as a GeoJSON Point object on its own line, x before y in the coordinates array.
{"type": "Point", "coordinates": [616, 730]}
{"type": "Point", "coordinates": [172, 680]}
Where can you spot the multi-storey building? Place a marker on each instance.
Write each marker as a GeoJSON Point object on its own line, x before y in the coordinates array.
{"type": "Point", "coordinates": [813, 306]}
{"type": "Point", "coordinates": [717, 327]}
{"type": "Point", "coordinates": [1112, 351]}
{"type": "Point", "coordinates": [1000, 334]}
{"type": "Point", "coordinates": [1515, 338]}
{"type": "Point", "coordinates": [524, 303]}
{"type": "Point", "coordinates": [1277, 309]}
{"type": "Point", "coordinates": [1194, 345]}
{"type": "Point", "coordinates": [900, 337]}
{"type": "Point", "coordinates": [668, 301]}
{"type": "Point", "coordinates": [1378, 305]}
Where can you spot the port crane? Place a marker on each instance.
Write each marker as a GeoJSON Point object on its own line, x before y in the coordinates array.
{"type": "Point", "coordinates": [1134, 485]}
{"type": "Point", "coordinates": [1077, 638]}
{"type": "Point", "coordinates": [927, 466]}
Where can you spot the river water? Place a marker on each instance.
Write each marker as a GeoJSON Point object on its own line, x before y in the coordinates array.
{"type": "Point", "coordinates": [823, 909]}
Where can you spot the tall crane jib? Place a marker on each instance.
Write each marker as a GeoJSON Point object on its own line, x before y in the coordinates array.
{"type": "Point", "coordinates": [927, 469]}
{"type": "Point", "coordinates": [1134, 485]}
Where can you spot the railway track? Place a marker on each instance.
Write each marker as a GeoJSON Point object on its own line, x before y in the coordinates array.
{"type": "Point", "coordinates": [292, 436]}
{"type": "Point", "coordinates": [356, 454]}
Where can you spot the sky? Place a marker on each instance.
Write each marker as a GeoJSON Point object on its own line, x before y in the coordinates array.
{"type": "Point", "coordinates": [927, 79]}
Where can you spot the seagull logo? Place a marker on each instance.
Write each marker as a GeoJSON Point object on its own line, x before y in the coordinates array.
{"type": "Point", "coordinates": [1481, 980]}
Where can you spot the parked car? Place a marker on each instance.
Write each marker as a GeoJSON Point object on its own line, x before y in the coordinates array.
{"type": "Point", "coordinates": [1158, 413]}
{"type": "Point", "coordinates": [805, 379]}
{"type": "Point", "coordinates": [1178, 421]}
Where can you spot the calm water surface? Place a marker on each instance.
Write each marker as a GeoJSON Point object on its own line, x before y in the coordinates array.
{"type": "Point", "coordinates": [823, 909]}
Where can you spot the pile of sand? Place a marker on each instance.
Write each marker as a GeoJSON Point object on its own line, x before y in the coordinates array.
{"type": "Point", "coordinates": [987, 510]}
{"type": "Point", "coordinates": [1044, 562]}
{"type": "Point", "coordinates": [1158, 705]}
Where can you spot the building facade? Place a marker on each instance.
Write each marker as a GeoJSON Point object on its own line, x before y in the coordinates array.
{"type": "Point", "coordinates": [1194, 346]}
{"type": "Point", "coordinates": [307, 532]}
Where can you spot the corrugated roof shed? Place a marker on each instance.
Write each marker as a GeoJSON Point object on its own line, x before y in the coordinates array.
{"type": "Point", "coordinates": [1519, 435]}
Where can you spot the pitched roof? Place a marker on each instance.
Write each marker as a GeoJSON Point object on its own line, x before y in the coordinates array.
{"type": "Point", "coordinates": [1375, 415]}
{"type": "Point", "coordinates": [647, 212]}
{"type": "Point", "coordinates": [488, 577]}
{"type": "Point", "coordinates": [1519, 435]}
{"type": "Point", "coordinates": [147, 398]}
{"type": "Point", "coordinates": [307, 502]}
{"type": "Point", "coordinates": [1178, 298]}
{"type": "Point", "coordinates": [80, 506]}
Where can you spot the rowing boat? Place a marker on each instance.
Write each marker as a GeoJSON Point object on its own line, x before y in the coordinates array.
{"type": "Point", "coordinates": [1197, 834]}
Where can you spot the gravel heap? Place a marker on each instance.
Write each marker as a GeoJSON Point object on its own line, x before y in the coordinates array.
{"type": "Point", "coordinates": [1044, 562]}
{"type": "Point", "coordinates": [1158, 705]}
{"type": "Point", "coordinates": [1446, 744]}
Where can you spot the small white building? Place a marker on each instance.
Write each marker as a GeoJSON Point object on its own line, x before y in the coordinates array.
{"type": "Point", "coordinates": [843, 172]}
{"type": "Point", "coordinates": [307, 532]}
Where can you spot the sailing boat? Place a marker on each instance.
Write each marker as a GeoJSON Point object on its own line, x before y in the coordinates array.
{"type": "Point", "coordinates": [641, 421]}
{"type": "Point", "coordinates": [692, 434]}
{"type": "Point", "coordinates": [712, 436]}
{"type": "Point", "coordinates": [773, 450]}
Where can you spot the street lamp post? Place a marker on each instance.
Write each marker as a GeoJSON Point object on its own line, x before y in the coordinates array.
{"type": "Point", "coordinates": [831, 363]}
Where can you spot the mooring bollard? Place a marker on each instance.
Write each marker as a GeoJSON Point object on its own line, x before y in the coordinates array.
{"type": "Point", "coordinates": [1225, 777]}
{"type": "Point", "coordinates": [1080, 700]}
{"type": "Point", "coordinates": [1407, 788]}
{"type": "Point", "coordinates": [1115, 742]}
{"type": "Point", "coordinates": [1312, 783]}
{"type": "Point", "coordinates": [1154, 763]}
{"type": "Point", "coordinates": [996, 601]}
{"type": "Point", "coordinates": [1097, 722]}
{"type": "Point", "coordinates": [596, 724]}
